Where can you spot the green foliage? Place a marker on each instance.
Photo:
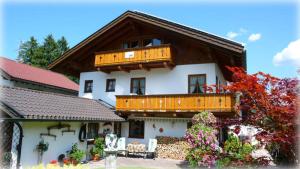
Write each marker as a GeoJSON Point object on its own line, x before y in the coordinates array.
{"type": "Point", "coordinates": [42, 146]}
{"type": "Point", "coordinates": [235, 153]}
{"type": "Point", "coordinates": [41, 55]}
{"type": "Point", "coordinates": [236, 148]}
{"type": "Point", "coordinates": [98, 147]}
{"type": "Point", "coordinates": [76, 154]}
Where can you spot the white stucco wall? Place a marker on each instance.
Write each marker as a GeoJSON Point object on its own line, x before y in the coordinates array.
{"type": "Point", "coordinates": [63, 143]}
{"type": "Point", "coordinates": [5, 82]}
{"type": "Point", "coordinates": [174, 128]}
{"type": "Point", "coordinates": [158, 81]}
{"type": "Point", "coordinates": [220, 75]}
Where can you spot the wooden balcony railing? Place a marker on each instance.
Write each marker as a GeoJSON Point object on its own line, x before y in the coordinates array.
{"type": "Point", "coordinates": [176, 103]}
{"type": "Point", "coordinates": [160, 53]}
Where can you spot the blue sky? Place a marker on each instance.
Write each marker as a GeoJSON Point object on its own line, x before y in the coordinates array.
{"type": "Point", "coordinates": [272, 26]}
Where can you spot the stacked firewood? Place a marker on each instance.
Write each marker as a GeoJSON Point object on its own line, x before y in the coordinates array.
{"type": "Point", "coordinates": [171, 148]}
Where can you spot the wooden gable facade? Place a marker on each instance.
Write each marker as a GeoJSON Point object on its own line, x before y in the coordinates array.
{"type": "Point", "coordinates": [182, 44]}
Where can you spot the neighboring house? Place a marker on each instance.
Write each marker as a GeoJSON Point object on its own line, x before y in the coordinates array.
{"type": "Point", "coordinates": [38, 104]}
{"type": "Point", "coordinates": [29, 116]}
{"type": "Point", "coordinates": [26, 76]}
{"type": "Point", "coordinates": [154, 72]}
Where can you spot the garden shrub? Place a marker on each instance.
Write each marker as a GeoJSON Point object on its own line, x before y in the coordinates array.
{"type": "Point", "coordinates": [202, 140]}
{"type": "Point", "coordinates": [235, 153]}
{"type": "Point", "coordinates": [76, 154]}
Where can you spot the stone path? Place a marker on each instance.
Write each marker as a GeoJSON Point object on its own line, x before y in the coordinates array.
{"type": "Point", "coordinates": [129, 162]}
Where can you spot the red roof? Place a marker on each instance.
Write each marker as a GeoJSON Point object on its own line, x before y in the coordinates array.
{"type": "Point", "coordinates": [34, 74]}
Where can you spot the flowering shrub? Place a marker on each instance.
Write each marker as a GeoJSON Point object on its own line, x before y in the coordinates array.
{"type": "Point", "coordinates": [204, 118]}
{"type": "Point", "coordinates": [202, 140]}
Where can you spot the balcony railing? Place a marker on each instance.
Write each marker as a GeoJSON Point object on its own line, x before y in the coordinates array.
{"type": "Point", "coordinates": [151, 54]}
{"type": "Point", "coordinates": [176, 103]}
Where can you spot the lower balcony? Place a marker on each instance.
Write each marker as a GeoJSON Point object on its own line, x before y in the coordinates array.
{"type": "Point", "coordinates": [217, 103]}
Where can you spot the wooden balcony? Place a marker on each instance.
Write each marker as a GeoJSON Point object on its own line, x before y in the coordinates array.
{"type": "Point", "coordinates": [176, 103]}
{"type": "Point", "coordinates": [134, 58]}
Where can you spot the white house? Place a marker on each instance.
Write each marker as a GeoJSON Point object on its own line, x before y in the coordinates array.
{"type": "Point", "coordinates": [38, 104]}
{"type": "Point", "coordinates": [154, 72]}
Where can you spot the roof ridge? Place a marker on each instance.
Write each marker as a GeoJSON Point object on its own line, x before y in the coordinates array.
{"type": "Point", "coordinates": [186, 26]}
{"type": "Point", "coordinates": [34, 67]}
{"type": "Point", "coordinates": [45, 92]}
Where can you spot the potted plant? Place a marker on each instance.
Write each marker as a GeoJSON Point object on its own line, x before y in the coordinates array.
{"type": "Point", "coordinates": [76, 154]}
{"type": "Point", "coordinates": [97, 150]}
{"type": "Point", "coordinates": [41, 148]}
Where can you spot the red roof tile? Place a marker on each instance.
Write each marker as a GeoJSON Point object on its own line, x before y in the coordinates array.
{"type": "Point", "coordinates": [34, 74]}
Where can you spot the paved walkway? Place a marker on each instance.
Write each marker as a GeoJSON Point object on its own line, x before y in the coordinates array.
{"type": "Point", "coordinates": [123, 162]}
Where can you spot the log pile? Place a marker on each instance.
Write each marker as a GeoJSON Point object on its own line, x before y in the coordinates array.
{"type": "Point", "coordinates": [171, 148]}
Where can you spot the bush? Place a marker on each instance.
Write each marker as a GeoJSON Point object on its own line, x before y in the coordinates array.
{"type": "Point", "coordinates": [76, 154]}
{"type": "Point", "coordinates": [202, 140]}
{"type": "Point", "coordinates": [235, 153]}
{"type": "Point", "coordinates": [98, 147]}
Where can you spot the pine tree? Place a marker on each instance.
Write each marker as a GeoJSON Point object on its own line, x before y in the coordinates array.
{"type": "Point", "coordinates": [28, 51]}
{"type": "Point", "coordinates": [41, 55]}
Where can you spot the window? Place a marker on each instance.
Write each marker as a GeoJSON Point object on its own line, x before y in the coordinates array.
{"type": "Point", "coordinates": [196, 83]}
{"type": "Point", "coordinates": [110, 85]}
{"type": "Point", "coordinates": [136, 129]}
{"type": "Point", "coordinates": [156, 42]}
{"type": "Point", "coordinates": [126, 45]}
{"type": "Point", "coordinates": [88, 86]}
{"type": "Point", "coordinates": [92, 131]}
{"type": "Point", "coordinates": [137, 86]}
{"type": "Point", "coordinates": [151, 42]}
{"type": "Point", "coordinates": [134, 44]}
{"type": "Point", "coordinates": [189, 124]}
{"type": "Point", "coordinates": [147, 42]}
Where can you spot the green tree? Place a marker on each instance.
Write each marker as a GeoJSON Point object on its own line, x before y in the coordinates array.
{"type": "Point", "coordinates": [28, 50]}
{"type": "Point", "coordinates": [41, 55]}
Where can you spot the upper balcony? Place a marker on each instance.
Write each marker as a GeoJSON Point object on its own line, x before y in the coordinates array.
{"type": "Point", "coordinates": [218, 103]}
{"type": "Point", "coordinates": [134, 58]}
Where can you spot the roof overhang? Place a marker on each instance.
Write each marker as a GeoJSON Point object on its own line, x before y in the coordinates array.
{"type": "Point", "coordinates": [204, 37]}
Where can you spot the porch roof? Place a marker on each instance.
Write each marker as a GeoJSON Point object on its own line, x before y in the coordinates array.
{"type": "Point", "coordinates": [21, 103]}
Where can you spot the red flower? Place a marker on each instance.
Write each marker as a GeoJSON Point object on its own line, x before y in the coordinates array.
{"type": "Point", "coordinates": [53, 162]}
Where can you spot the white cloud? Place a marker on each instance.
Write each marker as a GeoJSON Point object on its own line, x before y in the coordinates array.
{"type": "Point", "coordinates": [289, 55]}
{"type": "Point", "coordinates": [243, 30]}
{"type": "Point", "coordinates": [254, 37]}
{"type": "Point", "coordinates": [232, 35]}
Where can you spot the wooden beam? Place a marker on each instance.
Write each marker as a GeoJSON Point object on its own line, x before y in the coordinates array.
{"type": "Point", "coordinates": [168, 65]}
{"type": "Point", "coordinates": [103, 70]}
{"type": "Point", "coordinates": [141, 66]}
{"type": "Point", "coordinates": [122, 69]}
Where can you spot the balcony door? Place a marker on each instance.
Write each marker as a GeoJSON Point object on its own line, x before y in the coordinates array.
{"type": "Point", "coordinates": [138, 86]}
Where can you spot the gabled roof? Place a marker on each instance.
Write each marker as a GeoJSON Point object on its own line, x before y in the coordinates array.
{"type": "Point", "coordinates": [24, 72]}
{"type": "Point", "coordinates": [172, 26]}
{"type": "Point", "coordinates": [39, 105]}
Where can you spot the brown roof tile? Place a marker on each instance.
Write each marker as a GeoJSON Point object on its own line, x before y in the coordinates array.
{"type": "Point", "coordinates": [32, 104]}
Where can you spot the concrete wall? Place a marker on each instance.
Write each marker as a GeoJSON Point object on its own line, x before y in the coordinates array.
{"type": "Point", "coordinates": [63, 143]}
{"type": "Point", "coordinates": [158, 81]}
{"type": "Point", "coordinates": [171, 127]}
